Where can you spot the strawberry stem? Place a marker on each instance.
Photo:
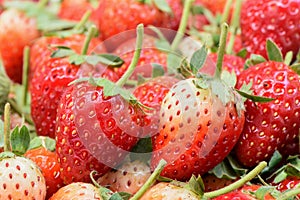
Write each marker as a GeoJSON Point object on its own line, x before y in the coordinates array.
{"type": "Point", "coordinates": [226, 11]}
{"type": "Point", "coordinates": [253, 173]}
{"type": "Point", "coordinates": [183, 24]}
{"type": "Point", "coordinates": [83, 20]}
{"type": "Point", "coordinates": [150, 180]}
{"type": "Point", "coordinates": [221, 50]}
{"type": "Point", "coordinates": [136, 56]}
{"type": "Point", "coordinates": [7, 127]}
{"type": "Point", "coordinates": [25, 74]}
{"type": "Point", "coordinates": [290, 193]}
{"type": "Point", "coordinates": [235, 23]}
{"type": "Point", "coordinates": [88, 38]}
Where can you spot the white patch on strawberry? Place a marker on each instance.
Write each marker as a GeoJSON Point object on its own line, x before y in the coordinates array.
{"type": "Point", "coordinates": [20, 178]}
{"type": "Point", "coordinates": [128, 178]}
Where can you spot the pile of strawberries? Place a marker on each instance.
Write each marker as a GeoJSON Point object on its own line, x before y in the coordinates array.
{"type": "Point", "coordinates": [150, 99]}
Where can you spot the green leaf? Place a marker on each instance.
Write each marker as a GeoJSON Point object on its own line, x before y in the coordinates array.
{"type": "Point", "coordinates": [62, 52]}
{"type": "Point", "coordinates": [197, 10]}
{"type": "Point", "coordinates": [157, 70]}
{"type": "Point", "coordinates": [42, 141]}
{"type": "Point", "coordinates": [77, 59]}
{"type": "Point", "coordinates": [1, 133]}
{"type": "Point", "coordinates": [242, 53]}
{"type": "Point", "coordinates": [173, 62]}
{"type": "Point", "coordinates": [106, 59]}
{"type": "Point", "coordinates": [280, 177]}
{"type": "Point", "coordinates": [142, 150]}
{"type": "Point", "coordinates": [20, 140]}
{"type": "Point", "coordinates": [263, 191]}
{"type": "Point", "coordinates": [196, 185]}
{"type": "Point", "coordinates": [255, 98]}
{"type": "Point", "coordinates": [273, 51]}
{"type": "Point", "coordinates": [163, 45]}
{"type": "Point", "coordinates": [288, 58]}
{"type": "Point", "coordinates": [274, 161]}
{"type": "Point", "coordinates": [229, 78]}
{"type": "Point", "coordinates": [198, 59]}
{"type": "Point", "coordinates": [254, 60]}
{"type": "Point", "coordinates": [105, 193]}
{"type": "Point", "coordinates": [221, 90]}
{"type": "Point", "coordinates": [120, 196]}
{"type": "Point", "coordinates": [6, 154]}
{"type": "Point", "coordinates": [163, 5]}
{"type": "Point", "coordinates": [296, 68]}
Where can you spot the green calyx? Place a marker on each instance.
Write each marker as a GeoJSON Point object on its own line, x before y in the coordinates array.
{"type": "Point", "coordinates": [5, 85]}
{"type": "Point", "coordinates": [162, 5]}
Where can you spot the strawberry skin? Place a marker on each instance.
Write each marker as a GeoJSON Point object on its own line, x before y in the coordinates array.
{"type": "Point", "coordinates": [117, 16]}
{"type": "Point", "coordinates": [74, 9]}
{"type": "Point", "coordinates": [48, 164]}
{"type": "Point", "coordinates": [16, 31]}
{"type": "Point", "coordinates": [271, 19]}
{"type": "Point", "coordinates": [78, 190]}
{"type": "Point", "coordinates": [20, 178]}
{"type": "Point", "coordinates": [196, 131]}
{"type": "Point", "coordinates": [89, 135]}
{"type": "Point", "coordinates": [130, 177]}
{"type": "Point", "coordinates": [269, 126]}
{"type": "Point", "coordinates": [212, 182]}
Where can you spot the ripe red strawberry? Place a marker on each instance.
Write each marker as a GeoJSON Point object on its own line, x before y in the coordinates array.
{"type": "Point", "coordinates": [127, 14]}
{"type": "Point", "coordinates": [89, 133]}
{"type": "Point", "coordinates": [48, 164]}
{"type": "Point", "coordinates": [269, 126]}
{"type": "Point", "coordinates": [74, 10]}
{"type": "Point", "coordinates": [271, 19]}
{"type": "Point", "coordinates": [214, 6]}
{"type": "Point", "coordinates": [151, 94]}
{"type": "Point", "coordinates": [167, 191]}
{"type": "Point", "coordinates": [78, 190]}
{"type": "Point", "coordinates": [50, 77]}
{"type": "Point", "coordinates": [20, 178]}
{"type": "Point", "coordinates": [128, 178]}
{"type": "Point", "coordinates": [16, 31]}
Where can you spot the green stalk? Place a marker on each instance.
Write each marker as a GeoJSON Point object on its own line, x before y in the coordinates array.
{"type": "Point", "coordinates": [7, 127]}
{"type": "Point", "coordinates": [150, 180]}
{"type": "Point", "coordinates": [88, 38]}
{"type": "Point", "coordinates": [25, 74]}
{"type": "Point", "coordinates": [291, 193]}
{"type": "Point", "coordinates": [235, 24]}
{"type": "Point", "coordinates": [221, 50]}
{"type": "Point", "coordinates": [253, 173]}
{"type": "Point", "coordinates": [83, 20]}
{"type": "Point", "coordinates": [136, 56]}
{"type": "Point", "coordinates": [226, 11]}
{"type": "Point", "coordinates": [183, 24]}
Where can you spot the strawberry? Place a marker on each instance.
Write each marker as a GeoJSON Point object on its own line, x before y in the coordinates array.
{"type": "Point", "coordinates": [98, 109]}
{"type": "Point", "coordinates": [214, 120]}
{"type": "Point", "coordinates": [128, 178]}
{"type": "Point", "coordinates": [289, 183]}
{"type": "Point", "coordinates": [16, 31]}
{"type": "Point", "coordinates": [127, 14]}
{"type": "Point", "coordinates": [273, 125]}
{"type": "Point", "coordinates": [214, 6]}
{"type": "Point", "coordinates": [47, 162]}
{"type": "Point", "coordinates": [74, 10]}
{"type": "Point", "coordinates": [167, 191]}
{"type": "Point", "coordinates": [78, 190]}
{"type": "Point", "coordinates": [20, 178]}
{"type": "Point", "coordinates": [268, 20]}
{"type": "Point", "coordinates": [50, 77]}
